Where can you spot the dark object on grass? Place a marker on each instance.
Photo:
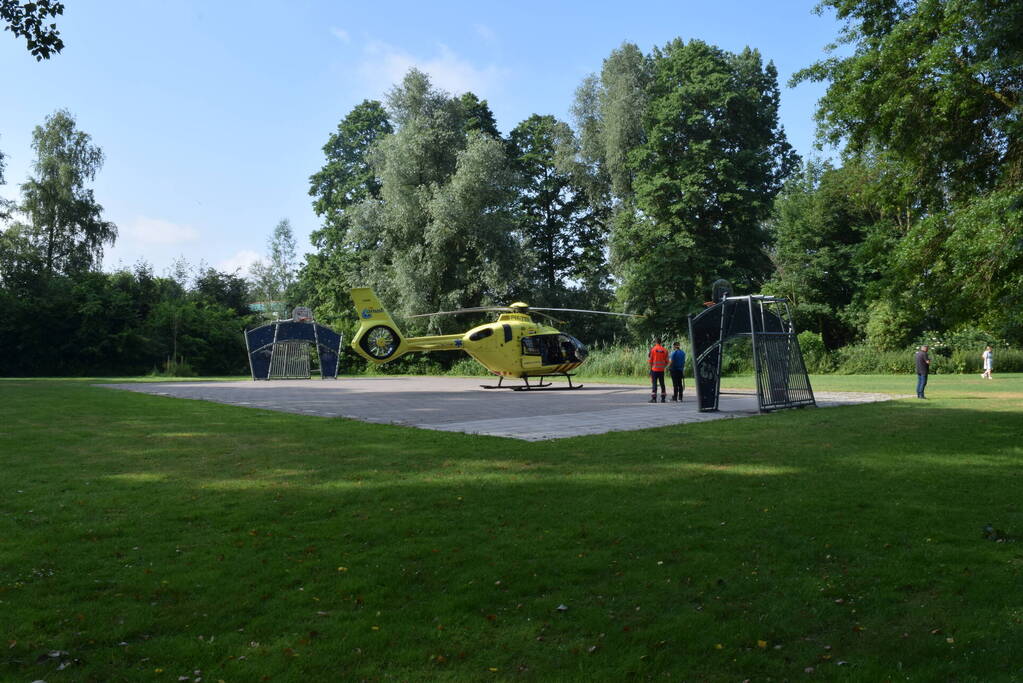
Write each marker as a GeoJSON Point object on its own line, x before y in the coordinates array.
{"type": "Point", "coordinates": [996, 535]}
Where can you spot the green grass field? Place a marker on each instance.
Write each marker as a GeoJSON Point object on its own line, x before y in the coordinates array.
{"type": "Point", "coordinates": [148, 539]}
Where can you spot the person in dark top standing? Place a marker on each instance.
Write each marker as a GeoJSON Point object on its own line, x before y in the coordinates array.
{"type": "Point", "coordinates": [677, 365]}
{"type": "Point", "coordinates": [923, 367]}
{"type": "Point", "coordinates": [658, 362]}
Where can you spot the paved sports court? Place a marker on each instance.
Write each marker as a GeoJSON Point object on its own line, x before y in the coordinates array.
{"type": "Point", "coordinates": [461, 405]}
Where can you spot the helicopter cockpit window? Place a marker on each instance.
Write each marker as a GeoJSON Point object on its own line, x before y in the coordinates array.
{"type": "Point", "coordinates": [481, 334]}
{"type": "Point", "coordinates": [572, 349]}
{"type": "Point", "coordinates": [554, 349]}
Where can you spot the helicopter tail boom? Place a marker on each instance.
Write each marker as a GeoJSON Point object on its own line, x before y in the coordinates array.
{"type": "Point", "coordinates": [378, 338]}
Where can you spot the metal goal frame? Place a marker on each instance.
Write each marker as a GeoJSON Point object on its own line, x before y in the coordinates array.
{"type": "Point", "coordinates": [782, 380]}
{"type": "Point", "coordinates": [282, 349]}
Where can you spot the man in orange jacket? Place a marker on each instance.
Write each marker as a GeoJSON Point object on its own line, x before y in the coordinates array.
{"type": "Point", "coordinates": [658, 361]}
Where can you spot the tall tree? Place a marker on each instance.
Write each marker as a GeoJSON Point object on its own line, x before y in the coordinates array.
{"type": "Point", "coordinates": [826, 229]}
{"type": "Point", "coordinates": [345, 180]}
{"type": "Point", "coordinates": [65, 219]}
{"type": "Point", "coordinates": [28, 20]}
{"type": "Point", "coordinates": [938, 83]}
{"type": "Point", "coordinates": [272, 278]}
{"type": "Point", "coordinates": [477, 115]}
{"type": "Point", "coordinates": [281, 255]}
{"type": "Point", "coordinates": [713, 160]}
{"type": "Point", "coordinates": [608, 112]}
{"type": "Point", "coordinates": [5, 204]}
{"type": "Point", "coordinates": [442, 233]}
{"type": "Point", "coordinates": [936, 86]}
{"type": "Point", "coordinates": [549, 207]}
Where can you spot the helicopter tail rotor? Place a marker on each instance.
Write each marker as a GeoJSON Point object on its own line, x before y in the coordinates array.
{"type": "Point", "coordinates": [378, 338]}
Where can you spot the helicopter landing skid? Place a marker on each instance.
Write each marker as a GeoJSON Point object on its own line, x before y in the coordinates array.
{"type": "Point", "coordinates": [542, 386]}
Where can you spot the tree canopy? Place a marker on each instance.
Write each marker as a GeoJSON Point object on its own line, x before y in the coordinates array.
{"type": "Point", "coordinates": [65, 221]}
{"type": "Point", "coordinates": [933, 94]}
{"type": "Point", "coordinates": [28, 20]}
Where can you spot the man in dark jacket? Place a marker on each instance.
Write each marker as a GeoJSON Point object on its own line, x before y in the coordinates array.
{"type": "Point", "coordinates": [677, 365]}
{"type": "Point", "coordinates": [923, 367]}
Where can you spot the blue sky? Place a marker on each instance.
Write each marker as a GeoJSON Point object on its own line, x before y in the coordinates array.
{"type": "Point", "coordinates": [212, 115]}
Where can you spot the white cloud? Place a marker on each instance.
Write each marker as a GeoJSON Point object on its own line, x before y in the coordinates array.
{"type": "Point", "coordinates": [341, 34]}
{"type": "Point", "coordinates": [240, 261]}
{"type": "Point", "coordinates": [384, 65]}
{"type": "Point", "coordinates": [149, 231]}
{"type": "Point", "coordinates": [486, 33]}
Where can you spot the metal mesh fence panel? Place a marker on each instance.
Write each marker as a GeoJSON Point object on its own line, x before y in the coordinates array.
{"type": "Point", "coordinates": [290, 360]}
{"type": "Point", "coordinates": [782, 381]}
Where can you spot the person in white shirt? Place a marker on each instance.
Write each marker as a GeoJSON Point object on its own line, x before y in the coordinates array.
{"type": "Point", "coordinates": [988, 357]}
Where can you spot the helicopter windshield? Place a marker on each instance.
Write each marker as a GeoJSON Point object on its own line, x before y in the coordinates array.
{"type": "Point", "coordinates": [554, 349]}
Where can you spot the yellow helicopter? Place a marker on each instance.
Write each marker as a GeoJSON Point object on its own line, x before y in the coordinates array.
{"type": "Point", "coordinates": [513, 346]}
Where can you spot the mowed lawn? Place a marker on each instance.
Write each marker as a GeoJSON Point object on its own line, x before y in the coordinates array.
{"type": "Point", "coordinates": [145, 538]}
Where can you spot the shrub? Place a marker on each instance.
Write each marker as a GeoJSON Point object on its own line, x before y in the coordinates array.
{"type": "Point", "coordinates": [737, 358]}
{"type": "Point", "coordinates": [617, 361]}
{"type": "Point", "coordinates": [889, 327]}
{"type": "Point", "coordinates": [863, 359]}
{"type": "Point", "coordinates": [1006, 360]}
{"type": "Point", "coordinates": [815, 355]}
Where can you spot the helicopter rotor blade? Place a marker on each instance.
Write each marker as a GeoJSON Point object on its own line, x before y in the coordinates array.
{"type": "Point", "coordinates": [477, 309]}
{"type": "Point", "coordinates": [533, 311]}
{"type": "Point", "coordinates": [581, 310]}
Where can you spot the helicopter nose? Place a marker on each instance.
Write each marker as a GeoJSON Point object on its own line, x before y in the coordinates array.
{"type": "Point", "coordinates": [580, 349]}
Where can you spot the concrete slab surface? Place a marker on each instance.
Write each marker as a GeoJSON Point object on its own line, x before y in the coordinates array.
{"type": "Point", "coordinates": [460, 404]}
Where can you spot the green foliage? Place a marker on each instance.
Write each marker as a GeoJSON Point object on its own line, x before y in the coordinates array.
{"type": "Point", "coordinates": [967, 263]}
{"type": "Point", "coordinates": [442, 233]}
{"type": "Point", "coordinates": [824, 224]}
{"type": "Point", "coordinates": [713, 159]}
{"type": "Point", "coordinates": [346, 177]}
{"type": "Point", "coordinates": [937, 83]}
{"type": "Point", "coordinates": [467, 367]}
{"type": "Point", "coordinates": [965, 339]}
{"type": "Point", "coordinates": [816, 356]}
{"type": "Point", "coordinates": [65, 224]}
{"type": "Point", "coordinates": [616, 108]}
{"type": "Point", "coordinates": [811, 344]}
{"type": "Point", "coordinates": [28, 20]}
{"type": "Point", "coordinates": [891, 325]}
{"type": "Point", "coordinates": [345, 181]}
{"type": "Point", "coordinates": [863, 359]}
{"type": "Point", "coordinates": [477, 116]}
{"type": "Point", "coordinates": [273, 279]}
{"type": "Point", "coordinates": [617, 361]}
{"type": "Point", "coordinates": [127, 322]}
{"type": "Point", "coordinates": [563, 235]}
{"type": "Point", "coordinates": [550, 208]}
{"type": "Point", "coordinates": [932, 92]}
{"type": "Point", "coordinates": [5, 204]}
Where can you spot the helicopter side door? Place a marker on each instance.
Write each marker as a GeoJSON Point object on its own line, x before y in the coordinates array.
{"type": "Point", "coordinates": [532, 357]}
{"type": "Point", "coordinates": [543, 350]}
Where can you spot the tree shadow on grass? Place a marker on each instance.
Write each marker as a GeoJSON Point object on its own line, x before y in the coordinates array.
{"type": "Point", "coordinates": [348, 550]}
